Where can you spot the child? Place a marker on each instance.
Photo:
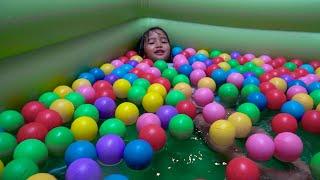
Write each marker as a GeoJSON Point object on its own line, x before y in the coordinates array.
{"type": "Point", "coordinates": [155, 44]}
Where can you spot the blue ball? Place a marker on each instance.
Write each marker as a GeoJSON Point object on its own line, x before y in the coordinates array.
{"type": "Point", "coordinates": [313, 86]}
{"type": "Point", "coordinates": [251, 80]}
{"type": "Point", "coordinates": [307, 67]}
{"type": "Point", "coordinates": [249, 74]}
{"type": "Point", "coordinates": [294, 108]}
{"type": "Point", "coordinates": [217, 99]}
{"type": "Point", "coordinates": [116, 177]}
{"type": "Point", "coordinates": [97, 72]}
{"type": "Point", "coordinates": [79, 149]}
{"type": "Point", "coordinates": [126, 67]}
{"type": "Point", "coordinates": [208, 62]}
{"type": "Point", "coordinates": [192, 59]}
{"type": "Point", "coordinates": [219, 76]}
{"type": "Point", "coordinates": [176, 50]}
{"type": "Point", "coordinates": [119, 72]}
{"type": "Point", "coordinates": [296, 82]}
{"type": "Point", "coordinates": [259, 99]}
{"type": "Point", "coordinates": [201, 57]}
{"type": "Point", "coordinates": [130, 77]}
{"type": "Point", "coordinates": [90, 77]}
{"type": "Point", "coordinates": [185, 69]}
{"type": "Point", "coordinates": [138, 154]}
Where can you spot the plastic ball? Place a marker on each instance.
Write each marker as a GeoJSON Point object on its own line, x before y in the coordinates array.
{"type": "Point", "coordinates": [242, 123]}
{"type": "Point", "coordinates": [32, 149]}
{"type": "Point", "coordinates": [222, 133]}
{"type": "Point", "coordinates": [293, 108]}
{"type": "Point", "coordinates": [33, 130]}
{"type": "Point", "coordinates": [155, 135]}
{"type": "Point", "coordinates": [116, 63]}
{"type": "Point", "coordinates": [163, 81]}
{"type": "Point", "coordinates": [78, 150]}
{"type": "Point", "coordinates": [88, 93]}
{"type": "Point", "coordinates": [275, 99]}
{"type": "Point", "coordinates": [84, 128]}
{"type": "Point", "coordinates": [297, 82]}
{"type": "Point", "coordinates": [130, 77]}
{"type": "Point", "coordinates": [296, 89]}
{"type": "Point", "coordinates": [41, 176]}
{"type": "Point", "coordinates": [136, 94]}
{"type": "Point", "coordinates": [225, 66]}
{"type": "Point", "coordinates": [75, 98]}
{"type": "Point", "coordinates": [236, 79]}
{"type": "Point", "coordinates": [30, 110]}
{"type": "Point", "coordinates": [288, 147]}
{"type": "Point", "coordinates": [111, 78]}
{"type": "Point", "coordinates": [250, 110]}
{"type": "Point", "coordinates": [284, 122]}
{"type": "Point", "coordinates": [121, 88]}
{"type": "Point", "coordinates": [107, 68]}
{"type": "Point", "coordinates": [161, 65]}
{"type": "Point", "coordinates": [203, 51]}
{"type": "Point", "coordinates": [214, 53]}
{"type": "Point", "coordinates": [228, 93]}
{"type": "Point", "coordinates": [185, 69]}
{"type": "Point", "coordinates": [83, 169]}
{"type": "Point", "coordinates": [48, 98]}
{"type": "Point", "coordinates": [260, 147]}
{"type": "Point", "coordinates": [79, 83]}
{"type": "Point", "coordinates": [158, 88]}
{"type": "Point", "coordinates": [313, 86]}
{"type": "Point", "coordinates": [11, 120]}
{"type": "Point", "coordinates": [142, 83]}
{"type": "Point", "coordinates": [258, 99]}
{"type": "Point", "coordinates": [7, 145]}
{"type": "Point", "coordinates": [305, 100]}
{"type": "Point", "coordinates": [203, 96]}
{"type": "Point", "coordinates": [152, 101]}
{"type": "Point", "coordinates": [184, 88]}
{"type": "Point", "coordinates": [127, 112]}
{"type": "Point", "coordinates": [240, 168]}
{"type": "Point", "coordinates": [131, 53]}
{"type": "Point", "coordinates": [169, 74]}
{"type": "Point", "coordinates": [133, 63]}
{"type": "Point", "coordinates": [196, 75]}
{"type": "Point", "coordinates": [112, 126]}
{"type": "Point", "coordinates": [146, 119]}
{"type": "Point", "coordinates": [116, 177]}
{"type": "Point", "coordinates": [106, 93]}
{"type": "Point", "coordinates": [213, 112]}
{"type": "Point", "coordinates": [19, 169]}
{"type": "Point", "coordinates": [174, 97]}
{"type": "Point", "coordinates": [49, 118]}
{"type": "Point", "coordinates": [279, 83]}
{"type": "Point", "coordinates": [315, 95]}
{"type": "Point", "coordinates": [58, 140]}
{"type": "Point", "coordinates": [210, 69]}
{"type": "Point", "coordinates": [165, 113]}
{"type": "Point", "coordinates": [179, 60]}
{"type": "Point", "coordinates": [106, 107]}
{"type": "Point", "coordinates": [311, 121]}
{"type": "Point", "coordinates": [97, 73]}
{"type": "Point", "coordinates": [137, 58]}
{"type": "Point", "coordinates": [110, 149]}
{"type": "Point", "coordinates": [176, 50]}
{"type": "Point", "coordinates": [138, 154]}
{"type": "Point", "coordinates": [88, 110]}
{"type": "Point", "coordinates": [315, 165]}
{"type": "Point", "coordinates": [219, 76]}
{"type": "Point", "coordinates": [181, 126]}
{"type": "Point", "coordinates": [179, 79]}
{"type": "Point", "coordinates": [187, 107]}
{"type": "Point", "coordinates": [62, 91]}
{"type": "Point", "coordinates": [251, 80]}
{"type": "Point", "coordinates": [207, 82]}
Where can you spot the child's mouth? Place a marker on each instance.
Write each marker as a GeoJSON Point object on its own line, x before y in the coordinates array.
{"type": "Point", "coordinates": [159, 52]}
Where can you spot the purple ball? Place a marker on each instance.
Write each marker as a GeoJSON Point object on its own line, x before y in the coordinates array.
{"type": "Point", "coordinates": [83, 169]}
{"type": "Point", "coordinates": [111, 78]}
{"type": "Point", "coordinates": [287, 77]}
{"type": "Point", "coordinates": [235, 54]}
{"type": "Point", "coordinates": [110, 149]}
{"type": "Point", "coordinates": [133, 63]}
{"type": "Point", "coordinates": [249, 74]}
{"type": "Point", "coordinates": [165, 113]}
{"type": "Point", "coordinates": [106, 107]}
{"type": "Point", "coordinates": [208, 62]}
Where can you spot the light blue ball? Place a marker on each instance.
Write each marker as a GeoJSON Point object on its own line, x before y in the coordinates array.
{"type": "Point", "coordinates": [116, 177]}
{"type": "Point", "coordinates": [294, 108]}
{"type": "Point", "coordinates": [176, 50]}
{"type": "Point", "coordinates": [307, 67]}
{"type": "Point", "coordinates": [97, 73]}
{"type": "Point", "coordinates": [259, 99]}
{"type": "Point", "coordinates": [79, 149]}
{"type": "Point", "coordinates": [130, 77]}
{"type": "Point", "coordinates": [90, 77]}
{"type": "Point", "coordinates": [251, 80]}
{"type": "Point", "coordinates": [138, 154]}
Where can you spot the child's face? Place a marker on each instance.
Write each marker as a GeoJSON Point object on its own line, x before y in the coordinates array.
{"type": "Point", "coordinates": [157, 46]}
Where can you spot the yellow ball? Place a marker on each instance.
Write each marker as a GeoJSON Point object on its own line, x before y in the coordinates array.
{"type": "Point", "coordinates": [152, 101]}
{"type": "Point", "coordinates": [258, 61]}
{"type": "Point", "coordinates": [222, 132]}
{"type": "Point", "coordinates": [84, 128]}
{"type": "Point", "coordinates": [127, 112]}
{"type": "Point", "coordinates": [1, 167]}
{"type": "Point", "coordinates": [242, 123]}
{"type": "Point", "coordinates": [62, 91]}
{"type": "Point", "coordinates": [207, 82]}
{"type": "Point", "coordinates": [185, 88]}
{"type": "Point", "coordinates": [64, 107]}
{"type": "Point", "coordinates": [158, 88]}
{"type": "Point", "coordinates": [107, 68]}
{"type": "Point", "coordinates": [42, 176]}
{"type": "Point", "coordinates": [121, 88]}
{"type": "Point", "coordinates": [224, 65]}
{"type": "Point", "coordinates": [79, 83]}
{"type": "Point", "coordinates": [204, 52]}
{"type": "Point", "coordinates": [225, 56]}
{"type": "Point", "coordinates": [318, 71]}
{"type": "Point", "coordinates": [318, 107]}
{"type": "Point", "coordinates": [136, 58]}
{"type": "Point", "coordinates": [305, 100]}
{"type": "Point", "coordinates": [279, 83]}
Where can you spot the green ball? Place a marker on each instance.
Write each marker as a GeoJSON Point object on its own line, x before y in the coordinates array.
{"type": "Point", "coordinates": [233, 63]}
{"type": "Point", "coordinates": [142, 83]}
{"type": "Point", "coordinates": [75, 98]}
{"type": "Point", "coordinates": [11, 120]}
{"type": "Point", "coordinates": [174, 97]}
{"type": "Point", "coordinates": [214, 53]}
{"type": "Point", "coordinates": [228, 93]}
{"type": "Point", "coordinates": [258, 71]}
{"type": "Point", "coordinates": [58, 140]}
{"type": "Point", "coordinates": [241, 69]}
{"type": "Point", "coordinates": [160, 64]}
{"type": "Point", "coordinates": [181, 126]}
{"type": "Point", "coordinates": [290, 65]}
{"type": "Point", "coordinates": [113, 126]}
{"type": "Point", "coordinates": [169, 73]}
{"type": "Point", "coordinates": [33, 149]}
{"type": "Point", "coordinates": [7, 145]}
{"type": "Point", "coordinates": [136, 94]}
{"type": "Point", "coordinates": [87, 110]}
{"type": "Point", "coordinates": [315, 165]}
{"type": "Point", "coordinates": [19, 169]}
{"type": "Point", "coordinates": [180, 78]}
{"type": "Point", "coordinates": [250, 65]}
{"type": "Point", "coordinates": [315, 95]}
{"type": "Point", "coordinates": [248, 89]}
{"type": "Point", "coordinates": [251, 110]}
{"type": "Point", "coordinates": [48, 98]}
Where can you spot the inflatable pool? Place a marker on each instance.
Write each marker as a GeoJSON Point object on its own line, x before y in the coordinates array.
{"type": "Point", "coordinates": [47, 44]}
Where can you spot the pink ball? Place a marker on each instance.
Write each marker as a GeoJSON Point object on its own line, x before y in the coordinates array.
{"type": "Point", "coordinates": [143, 66]}
{"type": "Point", "coordinates": [199, 65]}
{"type": "Point", "coordinates": [88, 93]}
{"type": "Point", "coordinates": [116, 63]}
{"type": "Point", "coordinates": [155, 71]}
{"type": "Point", "coordinates": [267, 67]}
{"type": "Point", "coordinates": [203, 96]}
{"type": "Point", "coordinates": [260, 147]}
{"type": "Point", "coordinates": [288, 147]}
{"type": "Point", "coordinates": [249, 56]}
{"type": "Point", "coordinates": [196, 75]}
{"type": "Point", "coordinates": [236, 79]}
{"type": "Point", "coordinates": [191, 51]}
{"type": "Point", "coordinates": [213, 112]}
{"type": "Point", "coordinates": [147, 119]}
{"type": "Point", "coordinates": [179, 60]}
{"type": "Point", "coordinates": [265, 58]}
{"type": "Point", "coordinates": [312, 77]}
{"type": "Point", "coordinates": [306, 80]}
{"type": "Point", "coordinates": [296, 89]}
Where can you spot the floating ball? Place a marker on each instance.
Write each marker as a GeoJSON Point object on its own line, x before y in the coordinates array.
{"type": "Point", "coordinates": [33, 130]}
{"type": "Point", "coordinates": [185, 69]}
{"type": "Point", "coordinates": [19, 169]}
{"type": "Point", "coordinates": [138, 154]}
{"type": "Point", "coordinates": [284, 122]}
{"type": "Point", "coordinates": [116, 63]}
{"type": "Point", "coordinates": [165, 113]}
{"type": "Point", "coordinates": [258, 99]}
{"type": "Point", "coordinates": [213, 111]}
{"type": "Point", "coordinates": [79, 83]}
{"type": "Point", "coordinates": [293, 108]}
{"type": "Point", "coordinates": [260, 147]}
{"type": "Point", "coordinates": [169, 73]}
{"type": "Point", "coordinates": [121, 88]}
{"type": "Point", "coordinates": [62, 91]}
{"type": "Point", "coordinates": [30, 110]}
{"type": "Point", "coordinates": [240, 168]}
{"type": "Point", "coordinates": [88, 93]}
{"type": "Point", "coordinates": [107, 68]}
{"type": "Point", "coordinates": [181, 126]}
{"type": "Point", "coordinates": [48, 98]}
{"type": "Point", "coordinates": [65, 109]}
{"type": "Point", "coordinates": [236, 79]}
{"type": "Point", "coordinates": [249, 89]}
{"type": "Point", "coordinates": [222, 132]}
{"type": "Point", "coordinates": [83, 169]}
{"type": "Point", "coordinates": [152, 101]}
{"type": "Point", "coordinates": [315, 95]}
{"type": "Point", "coordinates": [266, 86]}
{"type": "Point", "coordinates": [275, 99]}
{"type": "Point", "coordinates": [49, 118]}
{"type": "Point", "coordinates": [87, 110]}
{"type": "Point", "coordinates": [146, 119]}
{"type": "Point", "coordinates": [11, 120]}
{"type": "Point", "coordinates": [84, 128]}
{"type": "Point", "coordinates": [250, 110]}
{"type": "Point", "coordinates": [228, 93]}
{"type": "Point", "coordinates": [106, 93]}
{"type": "Point", "coordinates": [288, 147]}
{"type": "Point", "coordinates": [219, 76]}
{"type": "Point", "coordinates": [158, 88]}
{"type": "Point", "coordinates": [187, 107]}
{"type": "Point", "coordinates": [42, 176]}
{"type": "Point", "coordinates": [207, 82]}
{"type": "Point", "coordinates": [161, 65]}
{"type": "Point", "coordinates": [113, 126]}
{"type": "Point", "coordinates": [184, 88]}
{"type": "Point", "coordinates": [116, 177]}
{"type": "Point", "coordinates": [251, 80]}
{"type": "Point", "coordinates": [106, 107]}
{"type": "Point", "coordinates": [142, 83]}
{"type": "Point", "coordinates": [296, 89]}
{"type": "Point", "coordinates": [76, 99]}
{"type": "Point", "coordinates": [304, 99]}
{"type": "Point", "coordinates": [110, 149]}
{"type": "Point", "coordinates": [58, 140]}
{"type": "Point", "coordinates": [311, 121]}
{"type": "Point", "coordinates": [78, 150]}
{"type": "Point", "coordinates": [313, 86]}
{"type": "Point", "coordinates": [155, 135]}
{"type": "Point", "coordinates": [111, 78]}
{"type": "Point", "coordinates": [242, 123]}
{"type": "Point", "coordinates": [315, 165]}
{"type": "Point", "coordinates": [97, 73]}
{"type": "Point", "coordinates": [136, 94]}
{"type": "Point", "coordinates": [279, 83]}
{"type": "Point", "coordinates": [196, 75]}
{"type": "Point", "coordinates": [127, 112]}
{"type": "Point", "coordinates": [130, 77]}
{"type": "Point", "coordinates": [225, 66]}
{"type": "Point", "coordinates": [7, 145]}
{"type": "Point", "coordinates": [32, 149]}
{"type": "Point", "coordinates": [174, 97]}
{"type": "Point", "coordinates": [203, 96]}
{"type": "Point", "coordinates": [179, 79]}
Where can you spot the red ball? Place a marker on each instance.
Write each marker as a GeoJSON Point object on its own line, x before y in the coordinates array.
{"type": "Point", "coordinates": [211, 68]}
{"type": "Point", "coordinates": [274, 73]}
{"type": "Point", "coordinates": [242, 60]}
{"type": "Point", "coordinates": [187, 107]}
{"type": "Point", "coordinates": [275, 64]}
{"type": "Point", "coordinates": [280, 60]}
{"type": "Point", "coordinates": [105, 93]}
{"type": "Point", "coordinates": [266, 77]}
{"type": "Point", "coordinates": [101, 85]}
{"type": "Point", "coordinates": [147, 61]}
{"type": "Point", "coordinates": [311, 121]}
{"type": "Point", "coordinates": [275, 99]}
{"type": "Point", "coordinates": [123, 59]}
{"type": "Point", "coordinates": [185, 53]}
{"type": "Point", "coordinates": [266, 86]}
{"type": "Point", "coordinates": [30, 110]}
{"type": "Point", "coordinates": [137, 72]}
{"type": "Point", "coordinates": [298, 62]}
{"type": "Point", "coordinates": [217, 60]}
{"type": "Point", "coordinates": [164, 81]}
{"type": "Point", "coordinates": [315, 63]}
{"type": "Point", "coordinates": [148, 76]}
{"type": "Point", "coordinates": [242, 168]}
{"type": "Point", "coordinates": [284, 122]}
{"type": "Point", "coordinates": [49, 118]}
{"type": "Point", "coordinates": [155, 135]}
{"type": "Point", "coordinates": [33, 130]}
{"type": "Point", "coordinates": [301, 72]}
{"type": "Point", "coordinates": [283, 70]}
{"type": "Point", "coordinates": [131, 53]}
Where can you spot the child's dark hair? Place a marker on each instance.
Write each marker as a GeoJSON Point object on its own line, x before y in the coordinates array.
{"type": "Point", "coordinates": [140, 46]}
